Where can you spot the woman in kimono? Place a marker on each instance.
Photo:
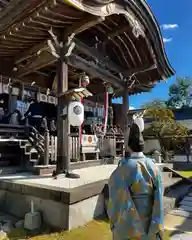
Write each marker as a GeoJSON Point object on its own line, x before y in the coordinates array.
{"type": "Point", "coordinates": [135, 207]}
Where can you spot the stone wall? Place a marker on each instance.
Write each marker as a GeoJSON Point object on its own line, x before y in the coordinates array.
{"type": "Point", "coordinates": [56, 214]}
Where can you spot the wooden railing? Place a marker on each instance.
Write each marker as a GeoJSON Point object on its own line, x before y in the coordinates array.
{"type": "Point", "coordinates": [74, 147]}
{"type": "Point", "coordinates": [46, 145]}
{"type": "Point", "coordinates": [109, 146]}
{"type": "Point", "coordinates": [50, 148]}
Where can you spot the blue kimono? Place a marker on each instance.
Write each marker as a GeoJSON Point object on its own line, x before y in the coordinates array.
{"type": "Point", "coordinates": [135, 207]}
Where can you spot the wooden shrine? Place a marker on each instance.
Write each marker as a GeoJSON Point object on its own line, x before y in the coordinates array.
{"type": "Point", "coordinates": [116, 43]}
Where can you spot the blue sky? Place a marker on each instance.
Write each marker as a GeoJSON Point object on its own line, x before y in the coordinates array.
{"type": "Point", "coordinates": [175, 19]}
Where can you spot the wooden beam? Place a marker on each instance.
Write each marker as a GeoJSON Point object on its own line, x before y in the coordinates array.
{"type": "Point", "coordinates": [42, 60]}
{"type": "Point", "coordinates": [31, 52]}
{"type": "Point", "coordinates": [81, 26]}
{"type": "Point", "coordinates": [14, 11]}
{"type": "Point", "coordinates": [114, 33]}
{"type": "Point", "coordinates": [41, 81]}
{"type": "Point", "coordinates": [42, 73]}
{"type": "Point", "coordinates": [93, 52]}
{"type": "Point", "coordinates": [5, 2]}
{"type": "Point", "coordinates": [74, 29]}
{"type": "Point", "coordinates": [94, 70]}
{"type": "Point", "coordinates": [89, 51]}
{"type": "Point", "coordinates": [80, 46]}
{"type": "Point", "coordinates": [145, 68]}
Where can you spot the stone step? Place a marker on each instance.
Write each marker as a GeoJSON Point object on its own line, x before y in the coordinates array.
{"type": "Point", "coordinates": [181, 236]}
{"type": "Point", "coordinates": [178, 223]}
{"type": "Point", "coordinates": [187, 198]}
{"type": "Point", "coordinates": [190, 194]}
{"type": "Point", "coordinates": [10, 170]}
{"type": "Point", "coordinates": [186, 208]}
{"type": "Point", "coordinates": [181, 212]}
{"type": "Point", "coordinates": [186, 203]}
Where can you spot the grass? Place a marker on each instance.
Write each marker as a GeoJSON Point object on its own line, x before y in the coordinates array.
{"type": "Point", "coordinates": [95, 230]}
{"type": "Point", "coordinates": [187, 174]}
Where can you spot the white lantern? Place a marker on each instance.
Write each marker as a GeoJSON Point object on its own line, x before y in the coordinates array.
{"type": "Point", "coordinates": [140, 123]}
{"type": "Point", "coordinates": [75, 113]}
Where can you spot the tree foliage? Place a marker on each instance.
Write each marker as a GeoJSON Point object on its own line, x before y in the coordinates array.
{"type": "Point", "coordinates": [178, 93]}
{"type": "Point", "coordinates": [164, 128]}
{"type": "Point", "coordinates": [163, 123]}
{"type": "Point", "coordinates": [178, 96]}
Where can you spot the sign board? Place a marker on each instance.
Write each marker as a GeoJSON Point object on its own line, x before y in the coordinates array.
{"type": "Point", "coordinates": [89, 140]}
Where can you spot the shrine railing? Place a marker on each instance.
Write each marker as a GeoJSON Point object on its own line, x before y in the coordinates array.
{"type": "Point", "coordinates": [92, 147]}
{"type": "Point", "coordinates": [50, 155]}
{"type": "Point", "coordinates": [107, 146]}
{"type": "Point", "coordinates": [111, 145]}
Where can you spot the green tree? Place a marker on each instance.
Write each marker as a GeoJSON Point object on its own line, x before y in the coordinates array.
{"type": "Point", "coordinates": [178, 96]}
{"type": "Point", "coordinates": [164, 128]}
{"type": "Point", "coordinates": [178, 93]}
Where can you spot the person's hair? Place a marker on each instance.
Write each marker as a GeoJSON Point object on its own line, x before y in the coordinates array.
{"type": "Point", "coordinates": [136, 142]}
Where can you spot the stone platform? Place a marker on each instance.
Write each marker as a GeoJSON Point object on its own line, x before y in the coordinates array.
{"type": "Point", "coordinates": [64, 203]}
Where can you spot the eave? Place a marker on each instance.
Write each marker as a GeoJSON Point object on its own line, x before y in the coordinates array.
{"type": "Point", "coordinates": [120, 52]}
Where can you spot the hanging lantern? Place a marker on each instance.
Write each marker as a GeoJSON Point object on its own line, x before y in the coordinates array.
{"type": "Point", "coordinates": [110, 90]}
{"type": "Point", "coordinates": [84, 81]}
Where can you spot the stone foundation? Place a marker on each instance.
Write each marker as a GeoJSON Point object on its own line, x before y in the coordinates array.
{"type": "Point", "coordinates": [66, 204]}
{"type": "Point", "coordinates": [60, 210]}
{"type": "Point", "coordinates": [55, 214]}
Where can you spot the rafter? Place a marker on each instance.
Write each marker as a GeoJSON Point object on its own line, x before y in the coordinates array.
{"type": "Point", "coordinates": [74, 29]}
{"type": "Point", "coordinates": [5, 2]}
{"type": "Point", "coordinates": [114, 33]}
{"type": "Point", "coordinates": [42, 60]}
{"type": "Point", "coordinates": [141, 69]}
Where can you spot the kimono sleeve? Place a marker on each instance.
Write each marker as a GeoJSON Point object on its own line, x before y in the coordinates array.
{"type": "Point", "coordinates": [158, 210]}
{"type": "Point", "coordinates": [122, 213]}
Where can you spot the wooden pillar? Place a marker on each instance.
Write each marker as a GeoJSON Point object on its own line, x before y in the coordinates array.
{"type": "Point", "coordinates": [125, 108]}
{"type": "Point", "coordinates": [111, 110]}
{"type": "Point", "coordinates": [63, 161]}
{"type": "Point", "coordinates": [10, 101]}
{"type": "Point", "coordinates": [21, 92]}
